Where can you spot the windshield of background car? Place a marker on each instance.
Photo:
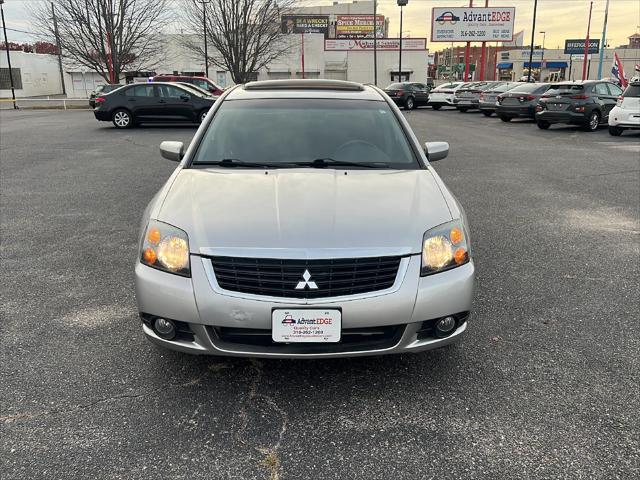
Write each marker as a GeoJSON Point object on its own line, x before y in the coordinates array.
{"type": "Point", "coordinates": [503, 87]}
{"type": "Point", "coordinates": [632, 91]}
{"type": "Point", "coordinates": [565, 89]}
{"type": "Point", "coordinates": [303, 130]}
{"type": "Point", "coordinates": [395, 86]}
{"type": "Point", "coordinates": [528, 88]}
{"type": "Point", "coordinates": [194, 90]}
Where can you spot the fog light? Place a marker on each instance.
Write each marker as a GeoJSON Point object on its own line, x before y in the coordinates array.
{"type": "Point", "coordinates": [445, 325]}
{"type": "Point", "coordinates": [164, 328]}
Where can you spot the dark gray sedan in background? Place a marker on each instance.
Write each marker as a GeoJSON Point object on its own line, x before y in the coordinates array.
{"type": "Point", "coordinates": [520, 101]}
{"type": "Point", "coordinates": [489, 97]}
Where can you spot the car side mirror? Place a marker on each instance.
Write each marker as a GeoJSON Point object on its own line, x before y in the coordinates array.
{"type": "Point", "coordinates": [184, 98]}
{"type": "Point", "coordinates": [436, 150]}
{"type": "Point", "coordinates": [173, 151]}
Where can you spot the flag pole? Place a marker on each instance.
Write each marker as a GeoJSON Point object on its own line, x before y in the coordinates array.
{"type": "Point", "coordinates": [586, 45]}
{"type": "Point", "coordinates": [604, 39]}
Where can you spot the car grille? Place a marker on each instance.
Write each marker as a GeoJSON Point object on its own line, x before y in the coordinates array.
{"type": "Point", "coordinates": [280, 277]}
{"type": "Point", "coordinates": [352, 340]}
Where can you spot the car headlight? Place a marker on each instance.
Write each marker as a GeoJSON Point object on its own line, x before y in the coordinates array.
{"type": "Point", "coordinates": [166, 248]}
{"type": "Point", "coordinates": [444, 247]}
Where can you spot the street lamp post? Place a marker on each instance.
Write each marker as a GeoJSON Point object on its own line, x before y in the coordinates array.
{"type": "Point", "coordinates": [6, 45]}
{"type": "Point", "coordinates": [401, 3]}
{"type": "Point", "coordinates": [544, 36]}
{"type": "Point", "coordinates": [375, 42]}
{"type": "Point", "coordinates": [533, 34]}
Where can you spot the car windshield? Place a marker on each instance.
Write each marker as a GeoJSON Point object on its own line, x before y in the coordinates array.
{"type": "Point", "coordinates": [527, 88]}
{"type": "Point", "coordinates": [561, 89]}
{"type": "Point", "coordinates": [295, 132]}
{"type": "Point", "coordinates": [632, 91]}
{"type": "Point", "coordinates": [503, 87]}
{"type": "Point", "coordinates": [110, 88]}
{"type": "Point", "coordinates": [195, 90]}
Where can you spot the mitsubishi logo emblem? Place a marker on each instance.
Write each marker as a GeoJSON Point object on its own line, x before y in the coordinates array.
{"type": "Point", "coordinates": [306, 283]}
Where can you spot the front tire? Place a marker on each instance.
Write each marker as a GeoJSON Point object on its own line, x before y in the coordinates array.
{"type": "Point", "coordinates": [202, 115]}
{"type": "Point", "coordinates": [122, 118]}
{"type": "Point", "coordinates": [616, 131]}
{"type": "Point", "coordinates": [487, 114]}
{"type": "Point", "coordinates": [409, 104]}
{"type": "Point", "coordinates": [542, 125]}
{"type": "Point", "coordinates": [504, 118]}
{"type": "Point", "coordinates": [593, 122]}
{"type": "Point", "coordinates": [436, 107]}
{"type": "Point", "coordinates": [463, 109]}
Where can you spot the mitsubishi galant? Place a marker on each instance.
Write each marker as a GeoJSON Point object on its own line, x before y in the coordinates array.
{"type": "Point", "coordinates": [304, 220]}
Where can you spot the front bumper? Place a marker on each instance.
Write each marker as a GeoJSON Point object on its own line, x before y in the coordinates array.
{"type": "Point", "coordinates": [206, 309]}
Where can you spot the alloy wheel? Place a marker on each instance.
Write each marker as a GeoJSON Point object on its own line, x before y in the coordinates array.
{"type": "Point", "coordinates": [122, 119]}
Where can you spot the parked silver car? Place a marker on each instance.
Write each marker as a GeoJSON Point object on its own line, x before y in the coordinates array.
{"type": "Point", "coordinates": [489, 98]}
{"type": "Point", "coordinates": [304, 220]}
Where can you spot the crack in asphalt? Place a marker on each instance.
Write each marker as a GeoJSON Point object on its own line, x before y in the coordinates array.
{"type": "Point", "coordinates": [271, 458]}
{"type": "Point", "coordinates": [29, 416]}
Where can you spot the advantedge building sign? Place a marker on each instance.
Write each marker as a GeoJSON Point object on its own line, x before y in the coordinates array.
{"type": "Point", "coordinates": [468, 24]}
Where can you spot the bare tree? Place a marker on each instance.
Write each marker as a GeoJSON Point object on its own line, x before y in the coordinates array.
{"type": "Point", "coordinates": [106, 36]}
{"type": "Point", "coordinates": [243, 35]}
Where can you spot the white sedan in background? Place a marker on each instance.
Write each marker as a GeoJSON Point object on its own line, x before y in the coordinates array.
{"type": "Point", "coordinates": [626, 114]}
{"type": "Point", "coordinates": [442, 95]}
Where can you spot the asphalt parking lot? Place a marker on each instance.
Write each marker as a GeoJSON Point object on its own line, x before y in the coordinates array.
{"type": "Point", "coordinates": [546, 383]}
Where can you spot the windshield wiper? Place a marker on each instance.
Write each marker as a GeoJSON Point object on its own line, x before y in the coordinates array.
{"type": "Point", "coordinates": [330, 162]}
{"type": "Point", "coordinates": [235, 162]}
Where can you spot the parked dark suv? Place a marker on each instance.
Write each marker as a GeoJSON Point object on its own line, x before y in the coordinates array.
{"type": "Point", "coordinates": [409, 95]}
{"type": "Point", "coordinates": [152, 102]}
{"type": "Point", "coordinates": [585, 103]}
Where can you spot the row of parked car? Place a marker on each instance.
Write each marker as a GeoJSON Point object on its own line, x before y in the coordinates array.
{"type": "Point", "coordinates": [588, 103]}
{"type": "Point", "coordinates": [166, 98]}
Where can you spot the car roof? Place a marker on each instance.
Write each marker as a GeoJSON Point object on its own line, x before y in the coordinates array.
{"type": "Point", "coordinates": [299, 88]}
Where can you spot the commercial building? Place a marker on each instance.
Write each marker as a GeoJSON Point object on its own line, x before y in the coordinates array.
{"type": "Point", "coordinates": [509, 63]}
{"type": "Point", "coordinates": [329, 55]}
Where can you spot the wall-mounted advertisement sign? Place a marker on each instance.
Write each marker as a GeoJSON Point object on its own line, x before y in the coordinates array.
{"type": "Point", "coordinates": [358, 26]}
{"type": "Point", "coordinates": [468, 24]}
{"type": "Point", "coordinates": [576, 46]}
{"type": "Point", "coordinates": [363, 45]}
{"type": "Point", "coordinates": [305, 24]}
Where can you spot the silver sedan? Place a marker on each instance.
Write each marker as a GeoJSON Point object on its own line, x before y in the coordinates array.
{"type": "Point", "coordinates": [304, 220]}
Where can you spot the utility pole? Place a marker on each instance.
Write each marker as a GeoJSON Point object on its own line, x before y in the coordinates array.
{"type": "Point", "coordinates": [401, 3]}
{"type": "Point", "coordinates": [533, 34]}
{"type": "Point", "coordinates": [603, 42]}
{"type": "Point", "coordinates": [586, 45]}
{"type": "Point", "coordinates": [544, 37]}
{"type": "Point", "coordinates": [483, 55]}
{"type": "Point", "coordinates": [204, 27]}
{"type": "Point", "coordinates": [6, 45]}
{"type": "Point", "coordinates": [375, 42]}
{"type": "Point", "coordinates": [55, 29]}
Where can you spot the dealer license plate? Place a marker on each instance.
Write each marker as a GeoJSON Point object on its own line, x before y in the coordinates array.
{"type": "Point", "coordinates": [306, 326]}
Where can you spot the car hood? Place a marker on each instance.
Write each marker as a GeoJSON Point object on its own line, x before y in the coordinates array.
{"type": "Point", "coordinates": [305, 209]}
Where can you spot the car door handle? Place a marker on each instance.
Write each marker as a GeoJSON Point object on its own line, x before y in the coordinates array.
{"type": "Point", "coordinates": [162, 101]}
{"type": "Point", "coordinates": [132, 99]}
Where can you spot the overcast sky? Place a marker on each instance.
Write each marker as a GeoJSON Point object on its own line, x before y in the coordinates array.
{"type": "Point", "coordinates": [560, 19]}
